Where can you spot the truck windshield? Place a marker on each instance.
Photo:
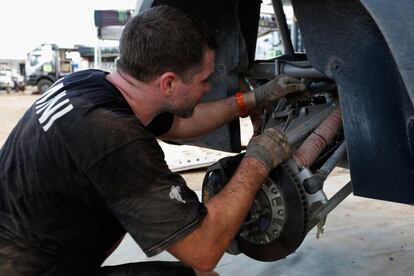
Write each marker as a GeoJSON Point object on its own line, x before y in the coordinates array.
{"type": "Point", "coordinates": [34, 60]}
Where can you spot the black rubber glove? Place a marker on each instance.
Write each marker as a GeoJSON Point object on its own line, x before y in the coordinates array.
{"type": "Point", "coordinates": [270, 148]}
{"type": "Point", "coordinates": [276, 89]}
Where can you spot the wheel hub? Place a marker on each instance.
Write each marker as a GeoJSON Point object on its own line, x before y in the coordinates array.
{"type": "Point", "coordinates": [277, 221]}
{"type": "Point", "coordinates": [267, 216]}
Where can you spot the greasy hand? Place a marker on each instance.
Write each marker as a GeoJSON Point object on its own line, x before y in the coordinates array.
{"type": "Point", "coordinates": [270, 148]}
{"type": "Point", "coordinates": [276, 89]}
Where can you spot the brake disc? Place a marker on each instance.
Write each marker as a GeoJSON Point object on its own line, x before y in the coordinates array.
{"type": "Point", "coordinates": [281, 224]}
{"type": "Point", "coordinates": [277, 221]}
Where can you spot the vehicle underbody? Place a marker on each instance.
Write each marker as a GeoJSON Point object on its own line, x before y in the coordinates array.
{"type": "Point", "coordinates": [359, 72]}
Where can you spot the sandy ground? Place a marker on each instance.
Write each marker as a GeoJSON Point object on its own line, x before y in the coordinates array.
{"type": "Point", "coordinates": [362, 237]}
{"type": "Point", "coordinates": [12, 108]}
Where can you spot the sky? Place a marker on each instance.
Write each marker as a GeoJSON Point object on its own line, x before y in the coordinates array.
{"type": "Point", "coordinates": [25, 24]}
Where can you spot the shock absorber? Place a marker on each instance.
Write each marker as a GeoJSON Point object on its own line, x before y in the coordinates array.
{"type": "Point", "coordinates": [317, 141]}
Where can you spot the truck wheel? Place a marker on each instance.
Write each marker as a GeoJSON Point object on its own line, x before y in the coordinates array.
{"type": "Point", "coordinates": [43, 85]}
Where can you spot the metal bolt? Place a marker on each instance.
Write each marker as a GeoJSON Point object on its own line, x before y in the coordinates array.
{"type": "Point", "coordinates": [336, 66]}
{"type": "Point", "coordinates": [304, 111]}
{"type": "Point", "coordinates": [255, 216]}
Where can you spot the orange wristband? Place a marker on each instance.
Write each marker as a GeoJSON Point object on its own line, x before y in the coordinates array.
{"type": "Point", "coordinates": [241, 104]}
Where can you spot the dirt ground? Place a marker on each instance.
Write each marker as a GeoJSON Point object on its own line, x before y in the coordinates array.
{"type": "Point", "coordinates": [12, 108]}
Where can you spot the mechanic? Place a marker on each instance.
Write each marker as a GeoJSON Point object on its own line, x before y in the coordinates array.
{"type": "Point", "coordinates": [83, 167]}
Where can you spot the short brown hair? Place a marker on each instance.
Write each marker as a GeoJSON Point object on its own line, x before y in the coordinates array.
{"type": "Point", "coordinates": [163, 39]}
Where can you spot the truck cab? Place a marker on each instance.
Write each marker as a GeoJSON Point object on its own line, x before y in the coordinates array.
{"type": "Point", "coordinates": [48, 63]}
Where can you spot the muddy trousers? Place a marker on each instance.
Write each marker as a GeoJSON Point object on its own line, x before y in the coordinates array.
{"type": "Point", "coordinates": [156, 268]}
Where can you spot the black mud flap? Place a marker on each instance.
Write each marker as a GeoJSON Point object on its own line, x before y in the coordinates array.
{"type": "Point", "coordinates": [367, 48]}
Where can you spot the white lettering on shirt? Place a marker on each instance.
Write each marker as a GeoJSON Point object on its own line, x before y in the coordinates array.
{"type": "Point", "coordinates": [52, 106]}
{"type": "Point", "coordinates": [175, 193]}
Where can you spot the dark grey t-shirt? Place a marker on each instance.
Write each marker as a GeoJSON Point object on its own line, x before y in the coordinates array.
{"type": "Point", "coordinates": [80, 170]}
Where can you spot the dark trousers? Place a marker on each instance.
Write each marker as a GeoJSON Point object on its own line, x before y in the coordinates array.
{"type": "Point", "coordinates": [156, 268]}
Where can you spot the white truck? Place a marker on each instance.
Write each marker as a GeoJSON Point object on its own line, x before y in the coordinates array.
{"type": "Point", "coordinates": [48, 63]}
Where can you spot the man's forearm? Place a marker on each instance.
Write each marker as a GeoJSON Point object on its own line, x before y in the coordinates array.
{"type": "Point", "coordinates": [208, 117]}
{"type": "Point", "coordinates": [204, 247]}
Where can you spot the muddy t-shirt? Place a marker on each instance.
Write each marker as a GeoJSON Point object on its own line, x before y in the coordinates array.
{"type": "Point", "coordinates": [77, 173]}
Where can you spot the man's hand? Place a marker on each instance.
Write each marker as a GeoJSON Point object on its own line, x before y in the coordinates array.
{"type": "Point", "coordinates": [276, 89]}
{"type": "Point", "coordinates": [270, 148]}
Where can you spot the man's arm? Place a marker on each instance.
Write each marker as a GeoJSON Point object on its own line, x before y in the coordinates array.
{"type": "Point", "coordinates": [208, 117]}
{"type": "Point", "coordinates": [204, 247]}
{"type": "Point", "coordinates": [212, 115]}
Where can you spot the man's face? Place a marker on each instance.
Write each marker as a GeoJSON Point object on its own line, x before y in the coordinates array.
{"type": "Point", "coordinates": [189, 93]}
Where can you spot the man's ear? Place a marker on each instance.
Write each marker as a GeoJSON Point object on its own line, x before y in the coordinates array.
{"type": "Point", "coordinates": [168, 82]}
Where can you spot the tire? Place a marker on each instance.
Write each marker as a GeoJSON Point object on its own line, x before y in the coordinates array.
{"type": "Point", "coordinates": [43, 85]}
